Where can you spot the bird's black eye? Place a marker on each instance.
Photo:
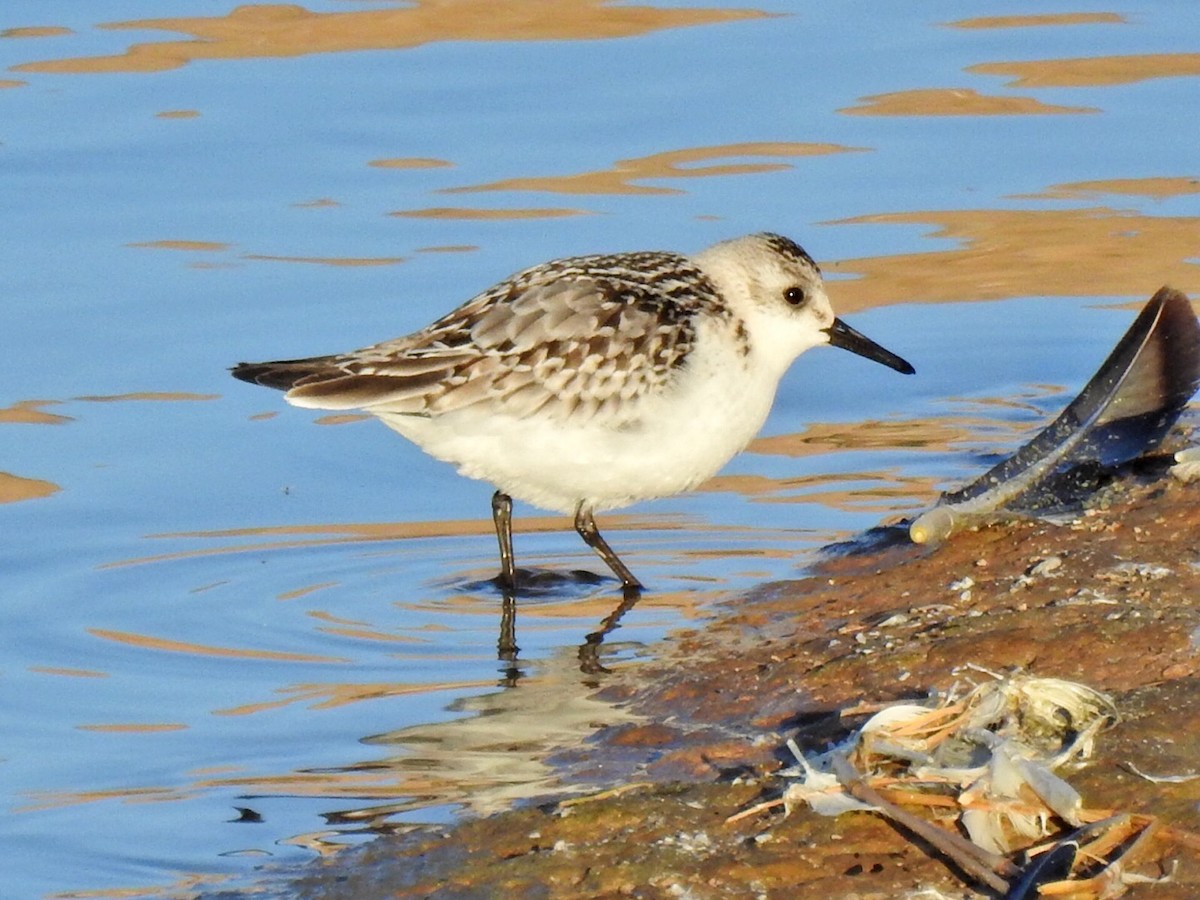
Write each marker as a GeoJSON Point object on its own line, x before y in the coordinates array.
{"type": "Point", "coordinates": [795, 296]}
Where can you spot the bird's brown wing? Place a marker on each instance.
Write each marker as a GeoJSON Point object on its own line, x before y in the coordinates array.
{"type": "Point", "coordinates": [573, 339]}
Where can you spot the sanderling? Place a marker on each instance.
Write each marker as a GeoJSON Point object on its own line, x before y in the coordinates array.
{"type": "Point", "coordinates": [589, 383]}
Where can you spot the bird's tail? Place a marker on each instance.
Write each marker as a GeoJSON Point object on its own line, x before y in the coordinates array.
{"type": "Point", "coordinates": [282, 374]}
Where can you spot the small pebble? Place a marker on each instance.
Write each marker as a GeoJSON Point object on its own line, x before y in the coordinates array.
{"type": "Point", "coordinates": [1045, 566]}
{"type": "Point", "coordinates": [1187, 465]}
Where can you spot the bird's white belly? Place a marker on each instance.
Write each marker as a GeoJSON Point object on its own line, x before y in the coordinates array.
{"type": "Point", "coordinates": [672, 442]}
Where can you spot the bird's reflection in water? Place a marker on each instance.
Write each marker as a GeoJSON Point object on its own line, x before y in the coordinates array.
{"type": "Point", "coordinates": [589, 650]}
{"type": "Point", "coordinates": [543, 583]}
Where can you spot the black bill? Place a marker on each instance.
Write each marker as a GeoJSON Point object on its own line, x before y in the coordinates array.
{"type": "Point", "coordinates": [842, 335]}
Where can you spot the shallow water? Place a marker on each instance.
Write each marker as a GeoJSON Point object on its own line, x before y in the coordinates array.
{"type": "Point", "coordinates": [213, 602]}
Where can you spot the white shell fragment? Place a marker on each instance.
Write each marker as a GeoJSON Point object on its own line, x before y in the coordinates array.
{"type": "Point", "coordinates": [1187, 465]}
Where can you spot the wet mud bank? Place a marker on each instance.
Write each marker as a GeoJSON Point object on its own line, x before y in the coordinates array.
{"type": "Point", "coordinates": [1111, 599]}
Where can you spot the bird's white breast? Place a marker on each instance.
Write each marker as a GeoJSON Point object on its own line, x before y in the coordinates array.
{"type": "Point", "coordinates": [664, 442]}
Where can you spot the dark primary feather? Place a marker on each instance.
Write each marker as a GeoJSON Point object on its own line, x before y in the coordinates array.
{"type": "Point", "coordinates": [543, 340]}
{"type": "Point", "coordinates": [282, 374]}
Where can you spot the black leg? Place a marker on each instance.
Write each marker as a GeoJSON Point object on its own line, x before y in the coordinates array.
{"type": "Point", "coordinates": [502, 517]}
{"type": "Point", "coordinates": [585, 524]}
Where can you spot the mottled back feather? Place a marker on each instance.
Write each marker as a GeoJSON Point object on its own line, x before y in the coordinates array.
{"type": "Point", "coordinates": [541, 341]}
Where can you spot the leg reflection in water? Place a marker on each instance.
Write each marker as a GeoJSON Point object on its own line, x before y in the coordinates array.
{"type": "Point", "coordinates": [589, 650]}
{"type": "Point", "coordinates": [507, 650]}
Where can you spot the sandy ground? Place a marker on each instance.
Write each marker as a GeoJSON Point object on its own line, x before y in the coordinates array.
{"type": "Point", "coordinates": [1111, 600]}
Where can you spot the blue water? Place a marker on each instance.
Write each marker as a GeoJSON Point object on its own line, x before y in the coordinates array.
{"type": "Point", "coordinates": [220, 608]}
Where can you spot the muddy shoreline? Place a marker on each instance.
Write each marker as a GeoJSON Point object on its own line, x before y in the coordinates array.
{"type": "Point", "coordinates": [1110, 599]}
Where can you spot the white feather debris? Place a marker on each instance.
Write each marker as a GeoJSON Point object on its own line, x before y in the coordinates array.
{"type": "Point", "coordinates": [1162, 779]}
{"type": "Point", "coordinates": [821, 791]}
{"type": "Point", "coordinates": [992, 758]}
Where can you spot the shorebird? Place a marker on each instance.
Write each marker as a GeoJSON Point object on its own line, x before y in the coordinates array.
{"type": "Point", "coordinates": [589, 383]}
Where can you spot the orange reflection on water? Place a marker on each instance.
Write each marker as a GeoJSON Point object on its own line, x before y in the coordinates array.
{"type": "Point", "coordinates": [410, 162]}
{"type": "Point", "coordinates": [1157, 188]}
{"type": "Point", "coordinates": [879, 491]}
{"type": "Point", "coordinates": [53, 800]}
{"type": "Point", "coordinates": [319, 203]}
{"type": "Point", "coordinates": [35, 31]}
{"type": "Point", "coordinates": [333, 695]}
{"type": "Point", "coordinates": [306, 590]}
{"type": "Point", "coordinates": [69, 673]}
{"type": "Point", "coordinates": [956, 102]}
{"type": "Point", "coordinates": [369, 634]}
{"type": "Point", "coordinates": [257, 31]}
{"type": "Point", "coordinates": [1005, 253]}
{"type": "Point", "coordinates": [485, 761]}
{"type": "Point", "coordinates": [945, 434]}
{"type": "Point", "coordinates": [149, 396]}
{"type": "Point", "coordinates": [322, 616]}
{"type": "Point", "coordinates": [887, 492]}
{"type": "Point", "coordinates": [188, 246]}
{"type": "Point", "coordinates": [456, 212]}
{"type": "Point", "coordinates": [449, 248]}
{"type": "Point", "coordinates": [373, 782]}
{"type": "Point", "coordinates": [28, 412]}
{"type": "Point", "coordinates": [359, 630]}
{"type": "Point", "coordinates": [1039, 21]}
{"type": "Point", "coordinates": [679, 604]}
{"type": "Point", "coordinates": [14, 488]}
{"type": "Point", "coordinates": [134, 727]}
{"type": "Point", "coordinates": [350, 261]}
{"type": "Point", "coordinates": [147, 642]}
{"type": "Point", "coordinates": [286, 537]}
{"type": "Point", "coordinates": [219, 247]}
{"type": "Point", "coordinates": [669, 164]}
{"type": "Point", "coordinates": [1093, 71]}
{"type": "Point", "coordinates": [490, 757]}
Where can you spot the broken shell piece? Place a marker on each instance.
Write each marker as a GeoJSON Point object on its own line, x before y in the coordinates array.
{"type": "Point", "coordinates": [1187, 465]}
{"type": "Point", "coordinates": [933, 526]}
